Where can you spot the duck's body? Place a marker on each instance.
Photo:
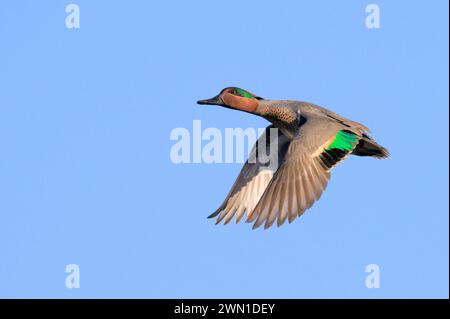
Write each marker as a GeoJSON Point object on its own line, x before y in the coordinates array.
{"type": "Point", "coordinates": [311, 140]}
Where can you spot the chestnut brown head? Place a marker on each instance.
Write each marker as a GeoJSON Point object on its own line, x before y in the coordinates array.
{"type": "Point", "coordinates": [235, 98]}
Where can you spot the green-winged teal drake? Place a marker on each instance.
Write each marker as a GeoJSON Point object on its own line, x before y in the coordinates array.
{"type": "Point", "coordinates": [311, 141]}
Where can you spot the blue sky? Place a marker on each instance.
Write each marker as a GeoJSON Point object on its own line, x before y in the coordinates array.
{"type": "Point", "coordinates": [85, 172]}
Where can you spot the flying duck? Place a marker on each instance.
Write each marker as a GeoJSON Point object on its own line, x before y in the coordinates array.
{"type": "Point", "coordinates": [311, 141]}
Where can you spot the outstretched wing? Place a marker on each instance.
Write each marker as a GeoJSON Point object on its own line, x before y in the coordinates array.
{"type": "Point", "coordinates": [254, 176]}
{"type": "Point", "coordinates": [305, 171]}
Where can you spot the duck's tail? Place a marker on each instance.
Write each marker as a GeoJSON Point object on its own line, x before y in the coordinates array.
{"type": "Point", "coordinates": [368, 147]}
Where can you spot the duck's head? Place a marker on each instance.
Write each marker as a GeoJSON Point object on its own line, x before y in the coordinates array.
{"type": "Point", "coordinates": [235, 98]}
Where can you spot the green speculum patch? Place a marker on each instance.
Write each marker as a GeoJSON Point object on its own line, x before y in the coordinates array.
{"type": "Point", "coordinates": [344, 141]}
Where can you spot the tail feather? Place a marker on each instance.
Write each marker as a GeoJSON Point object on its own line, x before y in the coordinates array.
{"type": "Point", "coordinates": [368, 147]}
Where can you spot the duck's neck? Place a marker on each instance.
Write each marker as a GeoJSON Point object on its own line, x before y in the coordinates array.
{"type": "Point", "coordinates": [283, 117]}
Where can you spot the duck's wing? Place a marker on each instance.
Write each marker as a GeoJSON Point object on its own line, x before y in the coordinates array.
{"type": "Point", "coordinates": [254, 176]}
{"type": "Point", "coordinates": [304, 172]}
